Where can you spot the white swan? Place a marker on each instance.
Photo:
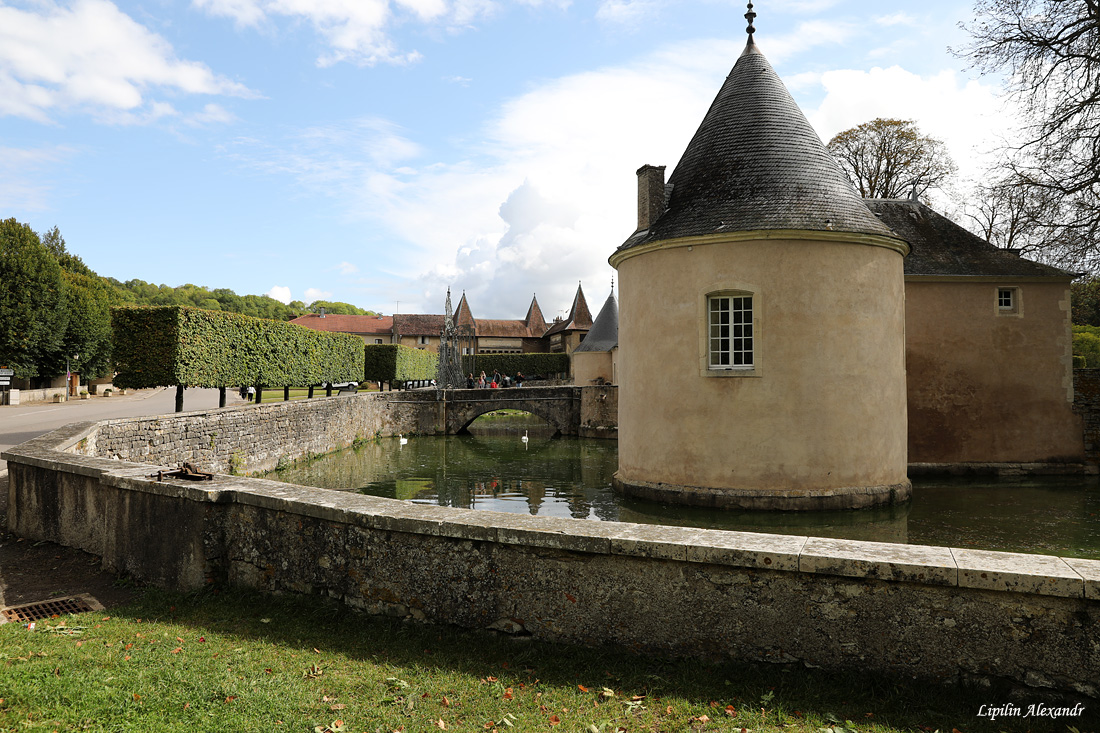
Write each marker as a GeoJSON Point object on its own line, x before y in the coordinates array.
{"type": "Point", "coordinates": [401, 440]}
{"type": "Point", "coordinates": [524, 438]}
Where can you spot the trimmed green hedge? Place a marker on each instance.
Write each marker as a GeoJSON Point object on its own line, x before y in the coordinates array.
{"type": "Point", "coordinates": [529, 364]}
{"type": "Point", "coordinates": [397, 363]}
{"type": "Point", "coordinates": [179, 345]}
{"type": "Point", "coordinates": [1086, 344]}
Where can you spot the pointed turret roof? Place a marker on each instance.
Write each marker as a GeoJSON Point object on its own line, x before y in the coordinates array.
{"type": "Point", "coordinates": [756, 163]}
{"type": "Point", "coordinates": [604, 334]}
{"type": "Point", "coordinates": [463, 315]}
{"type": "Point", "coordinates": [580, 318]}
{"type": "Point", "coordinates": [535, 321]}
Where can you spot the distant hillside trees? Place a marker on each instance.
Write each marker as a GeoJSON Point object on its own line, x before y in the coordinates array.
{"type": "Point", "coordinates": [55, 309]}
{"type": "Point", "coordinates": [139, 292]}
{"type": "Point", "coordinates": [334, 308]}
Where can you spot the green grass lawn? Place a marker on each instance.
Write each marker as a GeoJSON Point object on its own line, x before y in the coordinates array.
{"type": "Point", "coordinates": [235, 661]}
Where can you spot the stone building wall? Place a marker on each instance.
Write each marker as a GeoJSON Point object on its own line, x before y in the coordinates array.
{"type": "Point", "coordinates": [1086, 403]}
{"type": "Point", "coordinates": [600, 412]}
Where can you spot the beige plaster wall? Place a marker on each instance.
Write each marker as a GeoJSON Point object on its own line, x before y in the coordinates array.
{"type": "Point", "coordinates": [824, 407]}
{"type": "Point", "coordinates": [986, 387]}
{"type": "Point", "coordinates": [413, 342]}
{"type": "Point", "coordinates": [590, 366]}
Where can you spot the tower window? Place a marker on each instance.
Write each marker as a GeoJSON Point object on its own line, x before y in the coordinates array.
{"type": "Point", "coordinates": [730, 332]}
{"type": "Point", "coordinates": [1008, 301]}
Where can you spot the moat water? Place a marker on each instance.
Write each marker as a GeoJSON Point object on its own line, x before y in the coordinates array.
{"type": "Point", "coordinates": [493, 469]}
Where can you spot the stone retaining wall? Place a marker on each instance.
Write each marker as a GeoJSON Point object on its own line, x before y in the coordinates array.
{"type": "Point", "coordinates": [255, 438]}
{"type": "Point", "coordinates": [899, 610]}
{"type": "Point", "coordinates": [1086, 401]}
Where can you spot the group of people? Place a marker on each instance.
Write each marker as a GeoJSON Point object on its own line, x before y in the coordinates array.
{"type": "Point", "coordinates": [494, 381]}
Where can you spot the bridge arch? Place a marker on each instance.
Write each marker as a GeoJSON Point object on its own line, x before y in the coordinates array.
{"type": "Point", "coordinates": [558, 406]}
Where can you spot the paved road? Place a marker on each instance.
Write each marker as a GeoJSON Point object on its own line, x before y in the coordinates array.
{"type": "Point", "coordinates": [20, 423]}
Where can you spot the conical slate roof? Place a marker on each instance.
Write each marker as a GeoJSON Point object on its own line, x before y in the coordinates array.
{"type": "Point", "coordinates": [604, 334]}
{"type": "Point", "coordinates": [756, 163]}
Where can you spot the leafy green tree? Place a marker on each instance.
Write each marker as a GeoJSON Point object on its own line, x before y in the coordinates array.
{"type": "Point", "coordinates": [891, 159]}
{"type": "Point", "coordinates": [336, 308]}
{"type": "Point", "coordinates": [87, 342]}
{"type": "Point", "coordinates": [33, 301]}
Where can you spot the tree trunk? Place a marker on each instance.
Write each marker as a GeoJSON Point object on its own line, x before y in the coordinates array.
{"type": "Point", "coordinates": [328, 389]}
{"type": "Point", "coordinates": [259, 394]}
{"type": "Point", "coordinates": [286, 394]}
{"type": "Point", "coordinates": [221, 396]}
{"type": "Point", "coordinates": [310, 395]}
{"type": "Point", "coordinates": [179, 398]}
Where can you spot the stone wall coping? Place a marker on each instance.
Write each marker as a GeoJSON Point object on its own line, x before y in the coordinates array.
{"type": "Point", "coordinates": [919, 564]}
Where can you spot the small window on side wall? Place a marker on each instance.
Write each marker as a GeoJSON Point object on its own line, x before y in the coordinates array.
{"type": "Point", "coordinates": [729, 331]}
{"type": "Point", "coordinates": [1008, 301]}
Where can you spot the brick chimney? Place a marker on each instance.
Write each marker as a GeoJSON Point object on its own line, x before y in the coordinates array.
{"type": "Point", "coordinates": [651, 194]}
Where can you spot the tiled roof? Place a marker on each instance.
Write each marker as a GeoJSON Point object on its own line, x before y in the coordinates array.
{"type": "Point", "coordinates": [489, 328]}
{"type": "Point", "coordinates": [463, 315]}
{"type": "Point", "coordinates": [346, 324]}
{"type": "Point", "coordinates": [756, 163]}
{"type": "Point", "coordinates": [579, 319]}
{"type": "Point", "coordinates": [534, 320]}
{"type": "Point", "coordinates": [604, 334]}
{"type": "Point", "coordinates": [417, 324]}
{"type": "Point", "coordinates": [939, 246]}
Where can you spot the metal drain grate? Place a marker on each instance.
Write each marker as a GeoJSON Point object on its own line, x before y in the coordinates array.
{"type": "Point", "coordinates": [49, 609]}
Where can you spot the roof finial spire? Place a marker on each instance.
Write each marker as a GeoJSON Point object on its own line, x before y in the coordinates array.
{"type": "Point", "coordinates": [750, 16]}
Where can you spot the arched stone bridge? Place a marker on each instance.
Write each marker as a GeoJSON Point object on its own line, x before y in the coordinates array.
{"type": "Point", "coordinates": [590, 411]}
{"type": "Point", "coordinates": [559, 406]}
{"type": "Point", "coordinates": [451, 411]}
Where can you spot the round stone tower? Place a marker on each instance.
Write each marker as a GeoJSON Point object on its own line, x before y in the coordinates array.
{"type": "Point", "coordinates": [761, 335]}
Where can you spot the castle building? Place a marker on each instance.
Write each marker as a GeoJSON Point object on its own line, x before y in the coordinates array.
{"type": "Point", "coordinates": [988, 345]}
{"type": "Point", "coordinates": [780, 382]}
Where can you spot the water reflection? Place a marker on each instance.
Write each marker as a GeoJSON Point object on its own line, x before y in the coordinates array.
{"type": "Point", "coordinates": [568, 477]}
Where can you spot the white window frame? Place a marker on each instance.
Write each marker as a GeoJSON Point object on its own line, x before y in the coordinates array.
{"type": "Point", "coordinates": [1008, 301]}
{"type": "Point", "coordinates": [750, 329]}
{"type": "Point", "coordinates": [730, 340]}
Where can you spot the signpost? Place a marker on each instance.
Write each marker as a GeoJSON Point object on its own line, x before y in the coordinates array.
{"type": "Point", "coordinates": [5, 383]}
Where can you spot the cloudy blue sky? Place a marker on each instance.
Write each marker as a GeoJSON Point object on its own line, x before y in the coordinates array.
{"type": "Point", "coordinates": [379, 151]}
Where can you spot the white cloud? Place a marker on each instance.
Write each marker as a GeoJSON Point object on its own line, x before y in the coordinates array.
{"type": "Point", "coordinates": [898, 18]}
{"type": "Point", "coordinates": [357, 31]}
{"type": "Point", "coordinates": [92, 56]}
{"type": "Point", "coordinates": [212, 114]}
{"type": "Point", "coordinates": [629, 13]}
{"type": "Point", "coordinates": [967, 115]}
{"type": "Point", "coordinates": [346, 268]}
{"type": "Point", "coordinates": [280, 293]}
{"type": "Point", "coordinates": [548, 191]}
{"type": "Point", "coordinates": [20, 187]}
{"type": "Point", "coordinates": [313, 294]}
